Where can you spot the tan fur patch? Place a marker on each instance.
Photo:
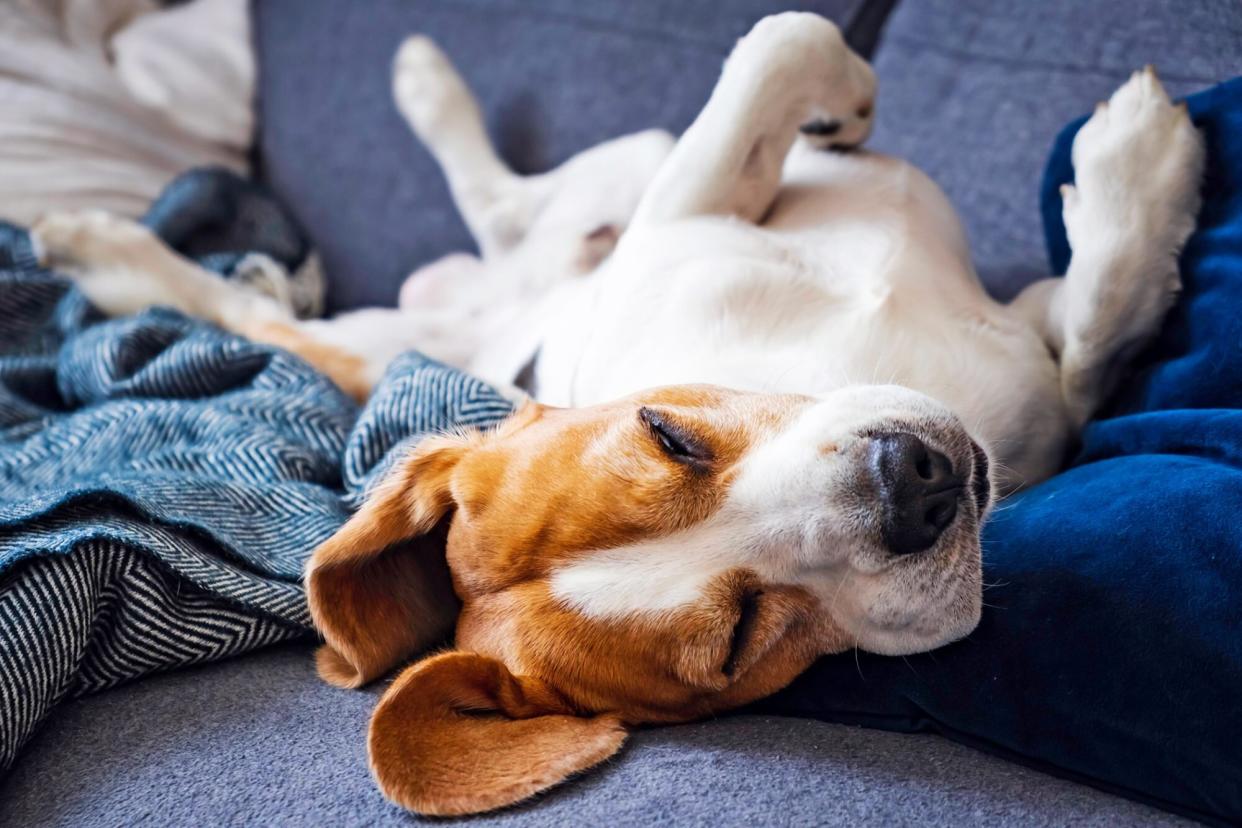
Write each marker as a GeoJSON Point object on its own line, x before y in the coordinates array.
{"type": "Point", "coordinates": [458, 733]}
{"type": "Point", "coordinates": [347, 370]}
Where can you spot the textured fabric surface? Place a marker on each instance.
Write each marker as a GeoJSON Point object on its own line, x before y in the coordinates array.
{"type": "Point", "coordinates": [553, 76]}
{"type": "Point", "coordinates": [162, 482]}
{"type": "Point", "coordinates": [218, 218]}
{"type": "Point", "coordinates": [1111, 646]}
{"type": "Point", "coordinates": [973, 92]}
{"type": "Point", "coordinates": [262, 741]}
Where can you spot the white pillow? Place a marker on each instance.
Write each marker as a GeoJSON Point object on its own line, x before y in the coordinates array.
{"type": "Point", "coordinates": [102, 102]}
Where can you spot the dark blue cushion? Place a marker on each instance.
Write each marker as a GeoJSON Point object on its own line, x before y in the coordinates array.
{"type": "Point", "coordinates": [553, 77]}
{"type": "Point", "coordinates": [1110, 648]}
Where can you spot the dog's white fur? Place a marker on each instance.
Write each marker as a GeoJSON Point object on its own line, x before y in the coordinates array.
{"type": "Point", "coordinates": [754, 259]}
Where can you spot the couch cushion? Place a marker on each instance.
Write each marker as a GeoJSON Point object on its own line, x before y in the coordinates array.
{"type": "Point", "coordinates": [554, 77]}
{"type": "Point", "coordinates": [1109, 648]}
{"type": "Point", "coordinates": [974, 91]}
{"type": "Point", "coordinates": [262, 741]}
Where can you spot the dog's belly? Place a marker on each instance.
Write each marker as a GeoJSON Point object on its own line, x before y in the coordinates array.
{"type": "Point", "coordinates": [866, 282]}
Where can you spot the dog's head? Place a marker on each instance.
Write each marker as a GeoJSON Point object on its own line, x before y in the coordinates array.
{"type": "Point", "coordinates": [656, 559]}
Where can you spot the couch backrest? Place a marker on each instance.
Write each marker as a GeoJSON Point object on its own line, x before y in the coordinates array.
{"type": "Point", "coordinates": [554, 77]}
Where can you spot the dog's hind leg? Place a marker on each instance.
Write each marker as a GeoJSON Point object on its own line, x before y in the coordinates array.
{"type": "Point", "coordinates": [793, 72]}
{"type": "Point", "coordinates": [1138, 163]}
{"type": "Point", "coordinates": [556, 224]}
{"type": "Point", "coordinates": [123, 268]}
{"type": "Point", "coordinates": [496, 203]}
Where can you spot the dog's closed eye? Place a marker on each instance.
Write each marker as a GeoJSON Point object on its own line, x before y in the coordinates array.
{"type": "Point", "coordinates": [677, 441]}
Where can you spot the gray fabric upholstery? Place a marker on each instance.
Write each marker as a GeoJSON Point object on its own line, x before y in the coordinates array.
{"type": "Point", "coordinates": [974, 91]}
{"type": "Point", "coordinates": [554, 77]}
{"type": "Point", "coordinates": [261, 741]}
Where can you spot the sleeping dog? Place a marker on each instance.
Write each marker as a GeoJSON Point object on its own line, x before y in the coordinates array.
{"type": "Point", "coordinates": [772, 407]}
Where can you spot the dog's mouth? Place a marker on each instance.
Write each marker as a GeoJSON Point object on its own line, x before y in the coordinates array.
{"type": "Point", "coordinates": [980, 479]}
{"type": "Point", "coordinates": [924, 591]}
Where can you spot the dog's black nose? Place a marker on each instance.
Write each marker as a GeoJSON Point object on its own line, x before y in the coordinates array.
{"type": "Point", "coordinates": [919, 491]}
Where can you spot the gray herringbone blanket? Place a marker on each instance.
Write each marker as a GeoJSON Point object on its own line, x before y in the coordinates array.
{"type": "Point", "coordinates": [162, 483]}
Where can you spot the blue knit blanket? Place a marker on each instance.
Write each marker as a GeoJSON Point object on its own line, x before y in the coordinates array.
{"type": "Point", "coordinates": [162, 482]}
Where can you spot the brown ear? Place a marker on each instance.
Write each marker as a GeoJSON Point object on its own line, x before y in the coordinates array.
{"type": "Point", "coordinates": [458, 733]}
{"type": "Point", "coordinates": [379, 589]}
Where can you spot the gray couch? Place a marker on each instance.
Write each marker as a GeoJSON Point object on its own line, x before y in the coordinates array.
{"type": "Point", "coordinates": [971, 90]}
{"type": "Point", "coordinates": [262, 741]}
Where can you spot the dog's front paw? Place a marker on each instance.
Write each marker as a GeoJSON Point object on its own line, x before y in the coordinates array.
{"type": "Point", "coordinates": [809, 61]}
{"type": "Point", "coordinates": [1139, 155]}
{"type": "Point", "coordinates": [1137, 166]}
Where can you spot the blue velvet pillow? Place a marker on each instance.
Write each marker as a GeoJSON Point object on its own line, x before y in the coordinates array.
{"type": "Point", "coordinates": [1110, 649]}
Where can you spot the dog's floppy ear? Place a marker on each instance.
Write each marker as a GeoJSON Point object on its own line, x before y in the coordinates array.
{"type": "Point", "coordinates": [457, 733]}
{"type": "Point", "coordinates": [379, 589]}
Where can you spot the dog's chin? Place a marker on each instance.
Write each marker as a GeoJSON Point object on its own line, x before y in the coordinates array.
{"type": "Point", "coordinates": [914, 638]}
{"type": "Point", "coordinates": [922, 613]}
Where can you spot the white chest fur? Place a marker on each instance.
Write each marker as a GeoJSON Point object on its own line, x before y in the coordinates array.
{"type": "Point", "coordinates": [860, 274]}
